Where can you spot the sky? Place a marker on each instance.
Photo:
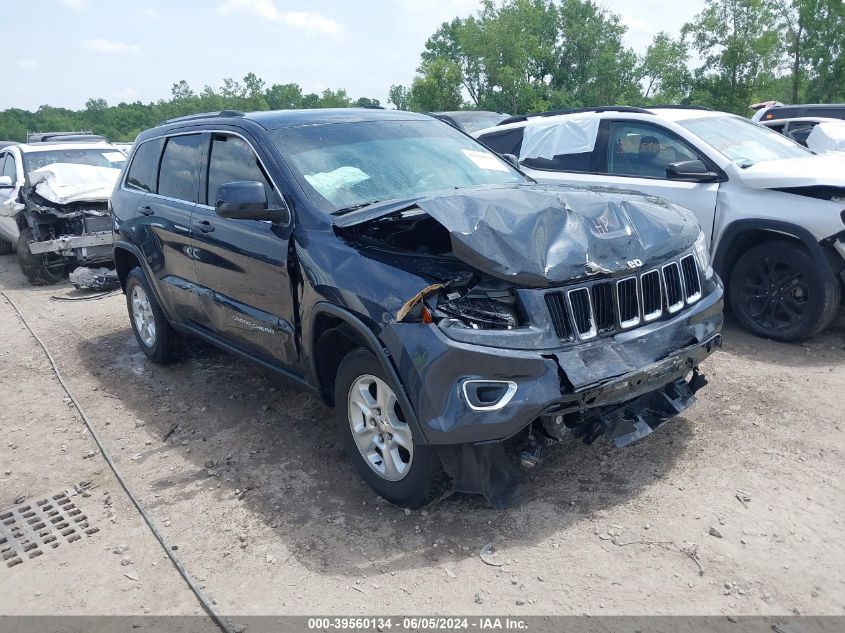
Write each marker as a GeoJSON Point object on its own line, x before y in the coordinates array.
{"type": "Point", "coordinates": [63, 52]}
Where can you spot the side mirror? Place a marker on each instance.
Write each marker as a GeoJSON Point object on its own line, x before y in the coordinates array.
{"type": "Point", "coordinates": [512, 159]}
{"type": "Point", "coordinates": [691, 171]}
{"type": "Point", "coordinates": [247, 200]}
{"type": "Point", "coordinates": [6, 182]}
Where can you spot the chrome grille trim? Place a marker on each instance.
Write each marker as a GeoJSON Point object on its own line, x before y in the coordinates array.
{"type": "Point", "coordinates": [627, 299]}
{"type": "Point", "coordinates": [604, 307]}
{"type": "Point", "coordinates": [576, 307]}
{"type": "Point", "coordinates": [649, 279]}
{"type": "Point", "coordinates": [692, 279]}
{"type": "Point", "coordinates": [673, 283]}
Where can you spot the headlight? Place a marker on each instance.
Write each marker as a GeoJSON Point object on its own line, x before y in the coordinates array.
{"type": "Point", "coordinates": [491, 311]}
{"type": "Point", "coordinates": [701, 250]}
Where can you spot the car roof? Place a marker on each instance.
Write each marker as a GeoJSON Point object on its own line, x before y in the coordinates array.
{"type": "Point", "coordinates": [58, 145]}
{"type": "Point", "coordinates": [637, 114]}
{"type": "Point", "coordinates": [277, 119]}
{"type": "Point", "coordinates": [799, 119]}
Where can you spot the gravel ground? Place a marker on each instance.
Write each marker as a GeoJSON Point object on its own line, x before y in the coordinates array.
{"type": "Point", "coordinates": [267, 513]}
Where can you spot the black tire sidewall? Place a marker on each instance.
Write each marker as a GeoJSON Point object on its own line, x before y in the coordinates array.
{"type": "Point", "coordinates": [33, 266]}
{"type": "Point", "coordinates": [819, 293]}
{"type": "Point", "coordinates": [425, 480]}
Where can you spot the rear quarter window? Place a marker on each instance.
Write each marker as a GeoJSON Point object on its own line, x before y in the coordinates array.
{"type": "Point", "coordinates": [504, 142]}
{"type": "Point", "coordinates": [144, 168]}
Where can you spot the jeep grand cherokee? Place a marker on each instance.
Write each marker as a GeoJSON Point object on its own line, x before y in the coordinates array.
{"type": "Point", "coordinates": [444, 304]}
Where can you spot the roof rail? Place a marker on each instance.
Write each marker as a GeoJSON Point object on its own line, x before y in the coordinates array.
{"type": "Point", "coordinates": [677, 106]}
{"type": "Point", "coordinates": [524, 117]}
{"type": "Point", "coordinates": [202, 115]}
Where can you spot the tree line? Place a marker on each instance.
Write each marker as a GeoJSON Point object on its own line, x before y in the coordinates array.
{"type": "Point", "coordinates": [519, 56]}
{"type": "Point", "coordinates": [123, 122]}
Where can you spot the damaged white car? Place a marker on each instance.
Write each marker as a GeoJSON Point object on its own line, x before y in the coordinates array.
{"type": "Point", "coordinates": [772, 212]}
{"type": "Point", "coordinates": [54, 206]}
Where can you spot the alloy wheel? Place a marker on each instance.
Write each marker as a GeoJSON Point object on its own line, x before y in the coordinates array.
{"type": "Point", "coordinates": [379, 429]}
{"type": "Point", "coordinates": [142, 315]}
{"type": "Point", "coordinates": [775, 295]}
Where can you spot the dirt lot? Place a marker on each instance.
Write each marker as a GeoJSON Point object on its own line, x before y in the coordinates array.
{"type": "Point", "coordinates": [281, 524]}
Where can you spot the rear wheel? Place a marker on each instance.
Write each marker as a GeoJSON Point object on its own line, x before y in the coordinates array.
{"type": "Point", "coordinates": [43, 269]}
{"type": "Point", "coordinates": [378, 438]}
{"type": "Point", "coordinates": [6, 248]}
{"type": "Point", "coordinates": [777, 291]}
{"type": "Point", "coordinates": [156, 337]}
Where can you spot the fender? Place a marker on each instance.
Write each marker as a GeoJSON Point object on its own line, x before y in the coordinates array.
{"type": "Point", "coordinates": [735, 229]}
{"type": "Point", "coordinates": [379, 351]}
{"type": "Point", "coordinates": [145, 266]}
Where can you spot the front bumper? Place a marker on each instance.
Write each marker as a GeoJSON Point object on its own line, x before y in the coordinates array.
{"type": "Point", "coordinates": [577, 378]}
{"type": "Point", "coordinates": [92, 246]}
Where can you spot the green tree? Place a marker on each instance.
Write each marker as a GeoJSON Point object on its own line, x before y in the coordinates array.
{"type": "Point", "coordinates": [399, 97]}
{"type": "Point", "coordinates": [738, 43]}
{"type": "Point", "coordinates": [438, 87]}
{"type": "Point", "coordinates": [664, 70]}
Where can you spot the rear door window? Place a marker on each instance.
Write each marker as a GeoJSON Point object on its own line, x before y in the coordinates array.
{"type": "Point", "coordinates": [144, 168]}
{"type": "Point", "coordinates": [179, 174]}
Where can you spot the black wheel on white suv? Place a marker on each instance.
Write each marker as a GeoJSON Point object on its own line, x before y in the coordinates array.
{"type": "Point", "coordinates": [378, 438]}
{"type": "Point", "coordinates": [6, 248]}
{"type": "Point", "coordinates": [156, 337]}
{"type": "Point", "coordinates": [777, 291]}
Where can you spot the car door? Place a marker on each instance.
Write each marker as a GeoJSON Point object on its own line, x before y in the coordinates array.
{"type": "Point", "coordinates": [635, 155]}
{"type": "Point", "coordinates": [9, 196]}
{"type": "Point", "coordinates": [242, 265]}
{"type": "Point", "coordinates": [164, 219]}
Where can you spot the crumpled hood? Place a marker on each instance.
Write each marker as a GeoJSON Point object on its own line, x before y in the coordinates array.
{"type": "Point", "coordinates": [63, 183]}
{"type": "Point", "coordinates": [824, 169]}
{"type": "Point", "coordinates": [544, 235]}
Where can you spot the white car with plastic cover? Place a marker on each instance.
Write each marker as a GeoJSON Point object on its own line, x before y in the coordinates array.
{"type": "Point", "coordinates": [772, 213]}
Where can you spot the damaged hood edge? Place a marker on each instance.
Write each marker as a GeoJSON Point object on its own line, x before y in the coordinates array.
{"type": "Point", "coordinates": [546, 235]}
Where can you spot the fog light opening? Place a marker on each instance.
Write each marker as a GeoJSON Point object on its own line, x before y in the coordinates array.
{"type": "Point", "coordinates": [488, 395]}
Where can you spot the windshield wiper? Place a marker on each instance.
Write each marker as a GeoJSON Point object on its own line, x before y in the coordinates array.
{"type": "Point", "coordinates": [354, 207]}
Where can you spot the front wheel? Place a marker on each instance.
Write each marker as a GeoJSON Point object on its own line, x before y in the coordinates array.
{"type": "Point", "coordinates": [378, 437]}
{"type": "Point", "coordinates": [43, 269]}
{"type": "Point", "coordinates": [777, 291]}
{"type": "Point", "coordinates": [155, 336]}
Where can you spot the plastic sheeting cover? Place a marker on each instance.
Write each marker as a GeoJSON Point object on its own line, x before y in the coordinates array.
{"type": "Point", "coordinates": [63, 183]}
{"type": "Point", "coordinates": [568, 134]}
{"type": "Point", "coordinates": [828, 136]}
{"type": "Point", "coordinates": [545, 235]}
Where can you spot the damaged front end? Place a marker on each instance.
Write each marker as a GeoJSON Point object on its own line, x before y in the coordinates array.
{"type": "Point", "coordinates": [548, 313]}
{"type": "Point", "coordinates": [80, 230]}
{"type": "Point", "coordinates": [64, 221]}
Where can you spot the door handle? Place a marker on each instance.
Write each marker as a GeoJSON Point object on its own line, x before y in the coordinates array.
{"type": "Point", "coordinates": [204, 227]}
{"type": "Point", "coordinates": [146, 210]}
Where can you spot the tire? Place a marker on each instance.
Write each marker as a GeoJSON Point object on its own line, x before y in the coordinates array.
{"type": "Point", "coordinates": [411, 476]}
{"type": "Point", "coordinates": [156, 337]}
{"type": "Point", "coordinates": [777, 291]}
{"type": "Point", "coordinates": [6, 248]}
{"type": "Point", "coordinates": [40, 270]}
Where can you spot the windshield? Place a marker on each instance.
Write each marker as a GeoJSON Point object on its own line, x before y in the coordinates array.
{"type": "Point", "coordinates": [742, 141]}
{"type": "Point", "coordinates": [100, 157]}
{"type": "Point", "coordinates": [347, 165]}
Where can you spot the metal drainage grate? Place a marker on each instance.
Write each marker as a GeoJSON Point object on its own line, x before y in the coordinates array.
{"type": "Point", "coordinates": [29, 529]}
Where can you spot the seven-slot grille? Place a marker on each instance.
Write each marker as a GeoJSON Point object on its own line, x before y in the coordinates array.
{"type": "Point", "coordinates": [604, 307]}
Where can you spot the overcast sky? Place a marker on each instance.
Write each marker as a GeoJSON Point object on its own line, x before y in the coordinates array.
{"type": "Point", "coordinates": [63, 52]}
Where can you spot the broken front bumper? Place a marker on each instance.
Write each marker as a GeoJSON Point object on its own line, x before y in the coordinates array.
{"type": "Point", "coordinates": [586, 378]}
{"type": "Point", "coordinates": [94, 245]}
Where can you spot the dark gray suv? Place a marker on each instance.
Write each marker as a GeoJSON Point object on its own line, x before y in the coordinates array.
{"type": "Point", "coordinates": [458, 316]}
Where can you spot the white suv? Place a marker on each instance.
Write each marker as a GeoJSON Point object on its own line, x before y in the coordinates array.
{"type": "Point", "coordinates": [771, 209]}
